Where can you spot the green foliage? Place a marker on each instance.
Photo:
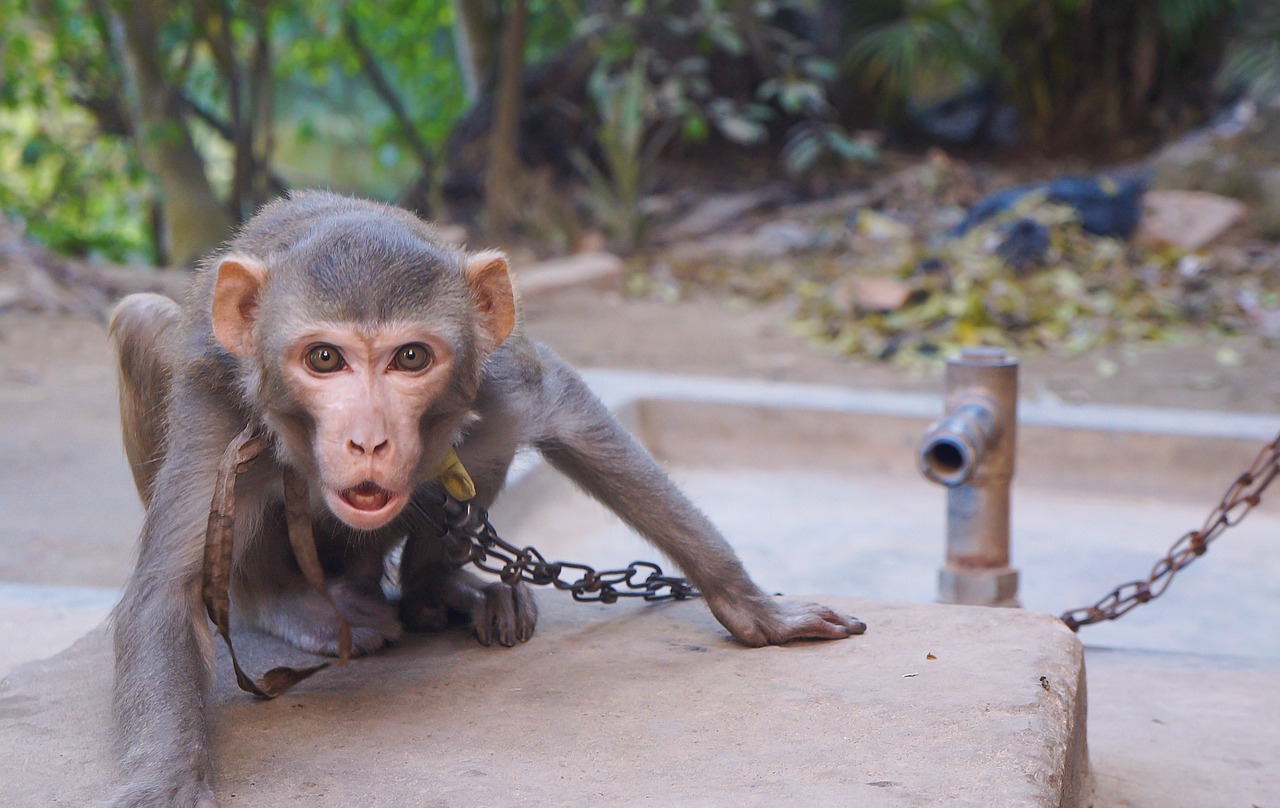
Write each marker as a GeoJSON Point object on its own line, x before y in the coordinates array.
{"type": "Point", "coordinates": [683, 41]}
{"type": "Point", "coordinates": [73, 191]}
{"type": "Point", "coordinates": [70, 168]}
{"type": "Point", "coordinates": [661, 74]}
{"type": "Point", "coordinates": [412, 42]}
{"type": "Point", "coordinates": [1074, 70]}
{"type": "Point", "coordinates": [628, 145]}
{"type": "Point", "coordinates": [899, 46]}
{"type": "Point", "coordinates": [810, 144]}
{"type": "Point", "coordinates": [74, 187]}
{"type": "Point", "coordinates": [1253, 60]}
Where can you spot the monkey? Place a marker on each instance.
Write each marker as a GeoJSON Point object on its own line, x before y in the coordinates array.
{"type": "Point", "coordinates": [365, 348]}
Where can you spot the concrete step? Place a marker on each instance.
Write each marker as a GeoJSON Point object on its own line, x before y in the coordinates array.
{"type": "Point", "coordinates": [39, 621]}
{"type": "Point", "coordinates": [624, 704]}
{"type": "Point", "coordinates": [1183, 730]}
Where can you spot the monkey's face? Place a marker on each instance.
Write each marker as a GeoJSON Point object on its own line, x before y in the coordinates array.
{"type": "Point", "coordinates": [365, 390]}
{"type": "Point", "coordinates": [366, 404]}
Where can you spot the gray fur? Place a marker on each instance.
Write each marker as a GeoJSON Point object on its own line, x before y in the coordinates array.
{"type": "Point", "coordinates": [337, 259]}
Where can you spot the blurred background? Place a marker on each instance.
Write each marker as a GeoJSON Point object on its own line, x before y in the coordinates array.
{"type": "Point", "coordinates": [888, 179]}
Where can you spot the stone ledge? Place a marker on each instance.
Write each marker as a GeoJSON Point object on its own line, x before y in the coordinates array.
{"type": "Point", "coordinates": [623, 704]}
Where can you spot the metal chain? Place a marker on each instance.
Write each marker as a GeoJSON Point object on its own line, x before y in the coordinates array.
{"type": "Point", "coordinates": [1243, 496]}
{"type": "Point", "coordinates": [470, 538]}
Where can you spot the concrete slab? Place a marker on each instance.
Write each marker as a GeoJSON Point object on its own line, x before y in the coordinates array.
{"type": "Point", "coordinates": [1183, 731]}
{"type": "Point", "coordinates": [39, 621]}
{"type": "Point", "coordinates": [624, 704]}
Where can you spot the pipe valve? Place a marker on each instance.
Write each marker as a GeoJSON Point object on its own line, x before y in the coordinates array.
{"type": "Point", "coordinates": [970, 450]}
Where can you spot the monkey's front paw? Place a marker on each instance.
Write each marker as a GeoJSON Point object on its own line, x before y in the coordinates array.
{"type": "Point", "coordinates": [505, 612]}
{"type": "Point", "coordinates": [759, 621]}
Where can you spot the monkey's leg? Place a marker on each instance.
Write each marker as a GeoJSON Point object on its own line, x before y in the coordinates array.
{"type": "Point", "coordinates": [431, 588]}
{"type": "Point", "coordinates": [583, 440]}
{"type": "Point", "coordinates": [271, 594]}
{"type": "Point", "coordinates": [144, 328]}
{"type": "Point", "coordinates": [162, 638]}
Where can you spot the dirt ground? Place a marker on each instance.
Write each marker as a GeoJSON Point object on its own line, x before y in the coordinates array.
{"type": "Point", "coordinates": [707, 337]}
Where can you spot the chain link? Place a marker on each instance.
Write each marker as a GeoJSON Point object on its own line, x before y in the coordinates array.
{"type": "Point", "coordinates": [1241, 497]}
{"type": "Point", "coordinates": [470, 538]}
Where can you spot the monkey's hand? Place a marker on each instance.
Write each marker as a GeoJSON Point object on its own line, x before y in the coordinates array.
{"type": "Point", "coordinates": [498, 611]}
{"type": "Point", "coordinates": [757, 619]}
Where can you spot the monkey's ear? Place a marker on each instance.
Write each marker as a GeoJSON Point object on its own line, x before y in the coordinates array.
{"type": "Point", "coordinates": [495, 299]}
{"type": "Point", "coordinates": [235, 302]}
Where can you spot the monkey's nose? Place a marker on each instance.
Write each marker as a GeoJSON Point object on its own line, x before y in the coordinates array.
{"type": "Point", "coordinates": [360, 448]}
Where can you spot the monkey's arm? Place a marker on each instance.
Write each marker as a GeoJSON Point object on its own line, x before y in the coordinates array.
{"type": "Point", "coordinates": [580, 437]}
{"type": "Point", "coordinates": [162, 638]}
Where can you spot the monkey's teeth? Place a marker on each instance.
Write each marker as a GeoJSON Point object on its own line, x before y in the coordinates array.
{"type": "Point", "coordinates": [367, 496]}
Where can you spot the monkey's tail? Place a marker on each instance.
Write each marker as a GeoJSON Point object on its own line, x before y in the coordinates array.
{"type": "Point", "coordinates": [144, 328]}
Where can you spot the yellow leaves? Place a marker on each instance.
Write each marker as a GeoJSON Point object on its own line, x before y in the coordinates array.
{"type": "Point", "coordinates": [1084, 292]}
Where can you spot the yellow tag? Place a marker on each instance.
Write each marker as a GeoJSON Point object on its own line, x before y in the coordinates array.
{"type": "Point", "coordinates": [454, 477]}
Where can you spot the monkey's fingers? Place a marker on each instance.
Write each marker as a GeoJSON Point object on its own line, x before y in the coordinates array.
{"type": "Point", "coordinates": [847, 621]}
{"type": "Point", "coordinates": [812, 621]}
{"type": "Point", "coordinates": [502, 613]}
{"type": "Point", "coordinates": [526, 612]}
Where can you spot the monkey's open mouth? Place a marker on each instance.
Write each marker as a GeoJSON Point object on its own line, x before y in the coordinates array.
{"type": "Point", "coordinates": [367, 496]}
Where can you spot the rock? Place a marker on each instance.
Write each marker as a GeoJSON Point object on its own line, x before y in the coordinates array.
{"type": "Point", "coordinates": [772, 240]}
{"type": "Point", "coordinates": [871, 294]}
{"type": "Point", "coordinates": [715, 212]}
{"type": "Point", "coordinates": [1188, 220]}
{"type": "Point", "coordinates": [836, 206]}
{"type": "Point", "coordinates": [734, 246]}
{"type": "Point", "coordinates": [1238, 157]}
{"type": "Point", "coordinates": [10, 295]}
{"type": "Point", "coordinates": [592, 270]}
{"type": "Point", "coordinates": [1266, 208]}
{"type": "Point", "coordinates": [784, 236]}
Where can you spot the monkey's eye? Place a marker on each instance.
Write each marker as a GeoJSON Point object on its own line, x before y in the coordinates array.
{"type": "Point", "coordinates": [414, 356]}
{"type": "Point", "coordinates": [325, 359]}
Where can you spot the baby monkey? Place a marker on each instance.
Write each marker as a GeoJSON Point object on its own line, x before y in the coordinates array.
{"type": "Point", "coordinates": [366, 349]}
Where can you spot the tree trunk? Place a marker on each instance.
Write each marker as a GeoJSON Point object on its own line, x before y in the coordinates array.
{"type": "Point", "coordinates": [194, 221]}
{"type": "Point", "coordinates": [475, 35]}
{"type": "Point", "coordinates": [504, 158]}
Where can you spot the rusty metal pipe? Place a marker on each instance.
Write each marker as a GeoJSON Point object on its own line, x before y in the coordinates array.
{"type": "Point", "coordinates": [971, 452]}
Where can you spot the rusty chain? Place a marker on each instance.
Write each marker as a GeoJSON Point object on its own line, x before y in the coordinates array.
{"type": "Point", "coordinates": [470, 538]}
{"type": "Point", "coordinates": [1241, 497]}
